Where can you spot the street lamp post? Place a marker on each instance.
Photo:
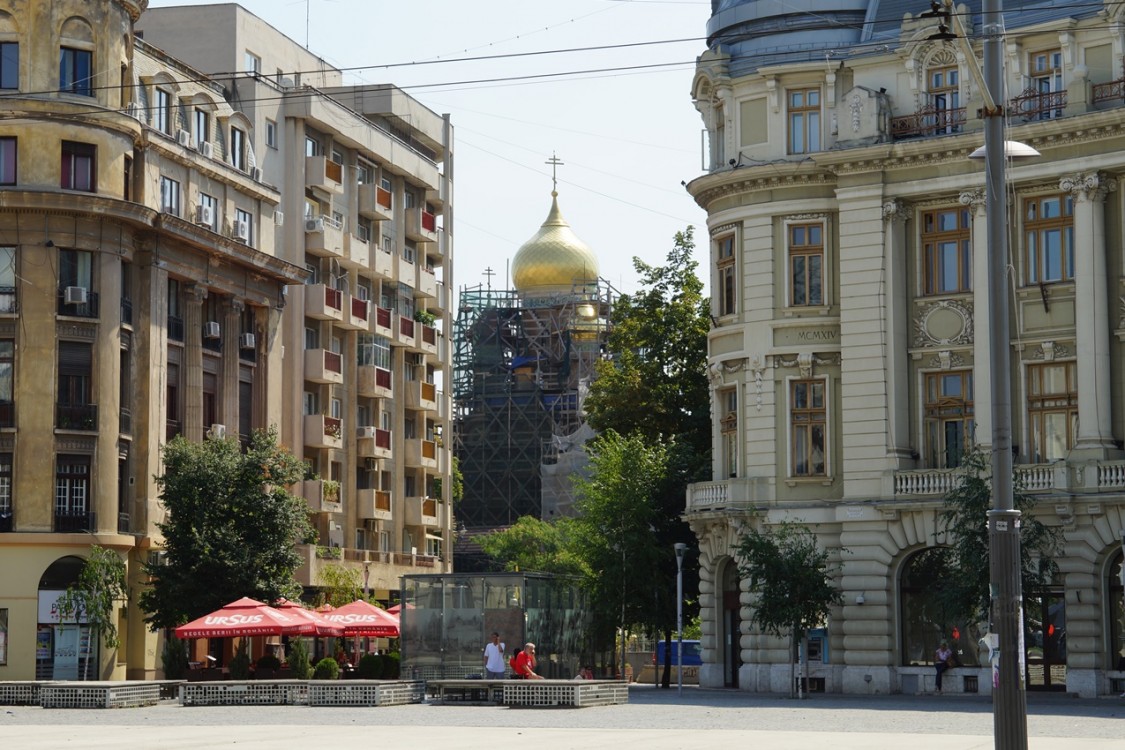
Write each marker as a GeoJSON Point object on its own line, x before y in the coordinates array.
{"type": "Point", "coordinates": [680, 548]}
{"type": "Point", "coordinates": [1009, 704]}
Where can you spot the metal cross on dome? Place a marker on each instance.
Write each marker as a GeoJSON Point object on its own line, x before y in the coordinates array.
{"type": "Point", "coordinates": [555, 163]}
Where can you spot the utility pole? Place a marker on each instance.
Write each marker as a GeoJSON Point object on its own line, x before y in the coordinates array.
{"type": "Point", "coordinates": [1009, 701]}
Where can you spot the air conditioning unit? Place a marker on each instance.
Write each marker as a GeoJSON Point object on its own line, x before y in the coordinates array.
{"type": "Point", "coordinates": [314, 224]}
{"type": "Point", "coordinates": [207, 149]}
{"type": "Point", "coordinates": [75, 295]}
{"type": "Point", "coordinates": [211, 329]}
{"type": "Point", "coordinates": [205, 215]}
{"type": "Point", "coordinates": [365, 432]}
{"type": "Point", "coordinates": [184, 137]}
{"type": "Point", "coordinates": [217, 431]}
{"type": "Point", "coordinates": [415, 359]}
{"type": "Point", "coordinates": [242, 231]}
{"type": "Point", "coordinates": [247, 341]}
{"type": "Point", "coordinates": [256, 174]}
{"type": "Point", "coordinates": [371, 524]}
{"type": "Point", "coordinates": [370, 463]}
{"type": "Point", "coordinates": [278, 218]}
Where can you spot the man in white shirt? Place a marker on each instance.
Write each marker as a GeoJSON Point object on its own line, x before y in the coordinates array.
{"type": "Point", "coordinates": [494, 664]}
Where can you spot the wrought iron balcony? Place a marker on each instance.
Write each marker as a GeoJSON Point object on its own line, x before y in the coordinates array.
{"type": "Point", "coordinates": [76, 416]}
{"type": "Point", "coordinates": [928, 121]}
{"type": "Point", "coordinates": [71, 521]}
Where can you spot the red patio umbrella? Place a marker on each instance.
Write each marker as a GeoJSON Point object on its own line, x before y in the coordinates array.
{"type": "Point", "coordinates": [397, 609]}
{"type": "Point", "coordinates": [245, 617]}
{"type": "Point", "coordinates": [364, 618]}
{"type": "Point", "coordinates": [323, 627]}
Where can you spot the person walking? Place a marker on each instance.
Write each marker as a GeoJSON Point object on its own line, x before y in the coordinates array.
{"type": "Point", "coordinates": [494, 658]}
{"type": "Point", "coordinates": [943, 660]}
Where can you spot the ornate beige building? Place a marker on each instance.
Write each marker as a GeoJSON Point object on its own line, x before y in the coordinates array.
{"type": "Point", "coordinates": [849, 357]}
{"type": "Point", "coordinates": [151, 286]}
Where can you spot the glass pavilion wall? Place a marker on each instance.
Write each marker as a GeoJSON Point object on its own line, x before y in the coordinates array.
{"type": "Point", "coordinates": [446, 620]}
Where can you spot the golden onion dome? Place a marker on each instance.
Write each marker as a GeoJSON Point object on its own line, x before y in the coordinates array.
{"type": "Point", "coordinates": [554, 260]}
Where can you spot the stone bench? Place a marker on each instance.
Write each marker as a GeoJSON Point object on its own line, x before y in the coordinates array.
{"type": "Point", "coordinates": [98, 694]}
{"type": "Point", "coordinates": [245, 693]}
{"type": "Point", "coordinates": [364, 692]}
{"type": "Point", "coordinates": [575, 693]}
{"type": "Point", "coordinates": [20, 693]}
{"type": "Point", "coordinates": [477, 692]}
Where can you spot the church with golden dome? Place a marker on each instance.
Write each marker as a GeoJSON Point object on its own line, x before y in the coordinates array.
{"type": "Point", "coordinates": [523, 361]}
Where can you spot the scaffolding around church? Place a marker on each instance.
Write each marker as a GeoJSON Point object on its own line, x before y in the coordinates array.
{"type": "Point", "coordinates": [522, 368]}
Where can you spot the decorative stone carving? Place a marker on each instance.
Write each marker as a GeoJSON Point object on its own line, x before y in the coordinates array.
{"type": "Point", "coordinates": [868, 119]}
{"type": "Point", "coordinates": [974, 199]}
{"type": "Point", "coordinates": [1051, 350]}
{"type": "Point", "coordinates": [1092, 186]}
{"type": "Point", "coordinates": [758, 370]}
{"type": "Point", "coordinates": [805, 362]}
{"type": "Point", "coordinates": [895, 211]}
{"type": "Point", "coordinates": [945, 360]}
{"type": "Point", "coordinates": [944, 323]}
{"type": "Point", "coordinates": [716, 370]}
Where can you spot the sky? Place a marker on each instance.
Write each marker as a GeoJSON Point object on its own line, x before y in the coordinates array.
{"type": "Point", "coordinates": [627, 138]}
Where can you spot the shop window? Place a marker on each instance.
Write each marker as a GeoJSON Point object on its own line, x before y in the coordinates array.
{"type": "Point", "coordinates": [929, 616]}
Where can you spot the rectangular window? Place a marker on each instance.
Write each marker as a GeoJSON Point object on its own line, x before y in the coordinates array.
{"type": "Point", "coordinates": [373, 350]}
{"type": "Point", "coordinates": [78, 166]}
{"type": "Point", "coordinates": [75, 69]}
{"type": "Point", "coordinates": [808, 424]}
{"type": "Point", "coordinates": [76, 268]}
{"type": "Point", "coordinates": [202, 126]}
{"type": "Point", "coordinates": [271, 133]}
{"type": "Point", "coordinates": [7, 387]}
{"type": "Point", "coordinates": [1049, 238]}
{"type": "Point", "coordinates": [9, 66]}
{"type": "Point", "coordinates": [252, 63]}
{"type": "Point", "coordinates": [169, 195]}
{"type": "Point", "coordinates": [162, 112]}
{"type": "Point", "coordinates": [727, 276]}
{"type": "Point", "coordinates": [312, 146]}
{"type": "Point", "coordinates": [804, 121]}
{"type": "Point", "coordinates": [8, 160]}
{"type": "Point", "coordinates": [72, 492]}
{"type": "Point", "coordinates": [363, 229]}
{"type": "Point", "coordinates": [947, 264]}
{"type": "Point", "coordinates": [238, 148]}
{"type": "Point", "coordinates": [244, 226]}
{"type": "Point", "coordinates": [948, 417]}
{"type": "Point", "coordinates": [1047, 83]}
{"type": "Point", "coordinates": [944, 91]}
{"type": "Point", "coordinates": [728, 404]}
{"type": "Point", "coordinates": [3, 636]}
{"type": "Point", "coordinates": [806, 265]}
{"type": "Point", "coordinates": [1052, 409]}
{"type": "Point", "coordinates": [8, 280]}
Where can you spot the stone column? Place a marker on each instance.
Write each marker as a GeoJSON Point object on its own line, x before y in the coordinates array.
{"type": "Point", "coordinates": [193, 362]}
{"type": "Point", "coordinates": [895, 215]}
{"type": "Point", "coordinates": [1091, 311]}
{"type": "Point", "coordinates": [232, 327]}
{"type": "Point", "coordinates": [107, 393]}
{"type": "Point", "coordinates": [982, 331]}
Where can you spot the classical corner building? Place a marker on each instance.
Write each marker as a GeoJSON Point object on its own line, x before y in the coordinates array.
{"type": "Point", "coordinates": [524, 358]}
{"type": "Point", "coordinates": [151, 287]}
{"type": "Point", "coordinates": [849, 359]}
{"type": "Point", "coordinates": [365, 175]}
{"type": "Point", "coordinates": [139, 299]}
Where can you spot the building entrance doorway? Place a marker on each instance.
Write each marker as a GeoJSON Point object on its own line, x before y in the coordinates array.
{"type": "Point", "coordinates": [1045, 625]}
{"type": "Point", "coordinates": [732, 626]}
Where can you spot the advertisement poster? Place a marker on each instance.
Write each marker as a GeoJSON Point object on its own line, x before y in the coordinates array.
{"type": "Point", "coordinates": [43, 643]}
{"type": "Point", "coordinates": [66, 653]}
{"type": "Point", "coordinates": [3, 647]}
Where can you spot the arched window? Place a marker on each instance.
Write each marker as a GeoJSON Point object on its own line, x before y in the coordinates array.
{"type": "Point", "coordinates": [928, 616]}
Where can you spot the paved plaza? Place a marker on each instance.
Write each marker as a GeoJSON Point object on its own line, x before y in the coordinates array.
{"type": "Point", "coordinates": [653, 720]}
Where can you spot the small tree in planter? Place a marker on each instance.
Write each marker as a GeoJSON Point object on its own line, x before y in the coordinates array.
{"type": "Point", "coordinates": [101, 586]}
{"type": "Point", "coordinates": [326, 669]}
{"type": "Point", "coordinates": [299, 664]}
{"type": "Point", "coordinates": [240, 662]}
{"type": "Point", "coordinates": [174, 658]}
{"type": "Point", "coordinates": [370, 667]}
{"type": "Point", "coordinates": [390, 666]}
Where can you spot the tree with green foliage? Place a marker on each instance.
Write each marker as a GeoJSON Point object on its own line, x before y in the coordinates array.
{"type": "Point", "coordinates": [965, 572]}
{"type": "Point", "coordinates": [231, 528]}
{"type": "Point", "coordinates": [792, 579]}
{"type": "Point", "coordinates": [102, 585]}
{"type": "Point", "coordinates": [339, 585]}
{"type": "Point", "coordinates": [655, 385]}
{"type": "Point", "coordinates": [532, 544]}
{"type": "Point", "coordinates": [618, 519]}
{"type": "Point", "coordinates": [299, 665]}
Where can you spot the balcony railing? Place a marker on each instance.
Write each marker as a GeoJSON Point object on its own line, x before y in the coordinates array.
{"type": "Point", "coordinates": [9, 302]}
{"type": "Point", "coordinates": [406, 327]}
{"type": "Point", "coordinates": [127, 311]}
{"type": "Point", "coordinates": [1038, 105]}
{"type": "Point", "coordinates": [123, 526]}
{"type": "Point", "coordinates": [175, 328]}
{"type": "Point", "coordinates": [6, 520]}
{"type": "Point", "coordinates": [429, 335]}
{"type": "Point", "coordinates": [1111, 94]}
{"type": "Point", "coordinates": [88, 309]}
{"type": "Point", "coordinates": [928, 121]}
{"type": "Point", "coordinates": [125, 421]}
{"type": "Point", "coordinates": [71, 521]}
{"type": "Point", "coordinates": [7, 414]}
{"type": "Point", "coordinates": [76, 416]}
{"type": "Point", "coordinates": [382, 318]}
{"type": "Point", "coordinates": [429, 221]}
{"type": "Point", "coordinates": [360, 308]}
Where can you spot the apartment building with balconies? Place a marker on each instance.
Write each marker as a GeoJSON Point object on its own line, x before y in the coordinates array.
{"type": "Point", "coordinates": [140, 296]}
{"type": "Point", "coordinates": [364, 176]}
{"type": "Point", "coordinates": [849, 357]}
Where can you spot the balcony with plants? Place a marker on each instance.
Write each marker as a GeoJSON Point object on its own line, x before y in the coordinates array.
{"type": "Point", "coordinates": [322, 431]}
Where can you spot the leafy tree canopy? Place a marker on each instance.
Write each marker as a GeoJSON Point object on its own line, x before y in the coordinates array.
{"type": "Point", "coordinates": [339, 585]}
{"type": "Point", "coordinates": [532, 544]}
{"type": "Point", "coordinates": [231, 528]}
{"type": "Point", "coordinates": [656, 381]}
{"type": "Point", "coordinates": [966, 572]}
